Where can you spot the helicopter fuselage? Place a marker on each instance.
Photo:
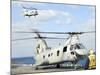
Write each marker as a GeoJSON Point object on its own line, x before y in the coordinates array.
{"type": "Point", "coordinates": [30, 13]}
{"type": "Point", "coordinates": [58, 55]}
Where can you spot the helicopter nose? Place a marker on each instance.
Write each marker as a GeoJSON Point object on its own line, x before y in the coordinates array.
{"type": "Point", "coordinates": [81, 52]}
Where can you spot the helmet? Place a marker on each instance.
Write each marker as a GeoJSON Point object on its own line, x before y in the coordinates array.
{"type": "Point", "coordinates": [91, 51]}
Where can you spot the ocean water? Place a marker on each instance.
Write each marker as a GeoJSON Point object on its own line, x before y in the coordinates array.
{"type": "Point", "coordinates": [23, 60]}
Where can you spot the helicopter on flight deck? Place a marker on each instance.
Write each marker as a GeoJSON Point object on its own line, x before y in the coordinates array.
{"type": "Point", "coordinates": [72, 51]}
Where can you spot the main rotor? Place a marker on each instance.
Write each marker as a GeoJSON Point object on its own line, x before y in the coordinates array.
{"type": "Point", "coordinates": [34, 31]}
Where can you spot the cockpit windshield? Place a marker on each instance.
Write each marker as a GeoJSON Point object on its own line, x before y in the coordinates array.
{"type": "Point", "coordinates": [77, 46]}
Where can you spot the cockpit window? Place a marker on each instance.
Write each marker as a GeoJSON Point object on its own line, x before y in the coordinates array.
{"type": "Point", "coordinates": [77, 46]}
{"type": "Point", "coordinates": [58, 53]}
{"type": "Point", "coordinates": [65, 49]}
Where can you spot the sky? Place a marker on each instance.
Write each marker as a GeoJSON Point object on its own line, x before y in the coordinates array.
{"type": "Point", "coordinates": [52, 17]}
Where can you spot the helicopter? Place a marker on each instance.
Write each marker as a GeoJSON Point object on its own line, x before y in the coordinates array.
{"type": "Point", "coordinates": [72, 51]}
{"type": "Point", "coordinates": [30, 12]}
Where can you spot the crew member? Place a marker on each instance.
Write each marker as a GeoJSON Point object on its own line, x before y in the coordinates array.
{"type": "Point", "coordinates": [91, 60]}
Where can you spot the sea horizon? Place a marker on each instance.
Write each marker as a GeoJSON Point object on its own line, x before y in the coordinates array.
{"type": "Point", "coordinates": [23, 60]}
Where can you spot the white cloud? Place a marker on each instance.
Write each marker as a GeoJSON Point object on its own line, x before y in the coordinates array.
{"type": "Point", "coordinates": [60, 17]}
{"type": "Point", "coordinates": [67, 18]}
{"type": "Point", "coordinates": [45, 15]}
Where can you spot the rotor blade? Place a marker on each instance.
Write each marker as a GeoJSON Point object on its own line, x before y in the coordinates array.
{"type": "Point", "coordinates": [90, 32]}
{"type": "Point", "coordinates": [56, 32]}
{"type": "Point", "coordinates": [44, 32]}
{"type": "Point", "coordinates": [22, 39]}
{"type": "Point", "coordinates": [30, 8]}
{"type": "Point", "coordinates": [38, 38]}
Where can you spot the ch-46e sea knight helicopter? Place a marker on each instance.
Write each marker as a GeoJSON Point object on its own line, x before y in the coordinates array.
{"type": "Point", "coordinates": [72, 51]}
{"type": "Point", "coordinates": [29, 12]}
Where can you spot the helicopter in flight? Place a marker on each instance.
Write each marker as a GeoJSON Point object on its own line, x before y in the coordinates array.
{"type": "Point", "coordinates": [71, 51]}
{"type": "Point", "coordinates": [30, 12]}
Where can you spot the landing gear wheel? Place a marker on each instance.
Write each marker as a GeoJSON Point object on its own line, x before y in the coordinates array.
{"type": "Point", "coordinates": [58, 66]}
{"type": "Point", "coordinates": [74, 65]}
